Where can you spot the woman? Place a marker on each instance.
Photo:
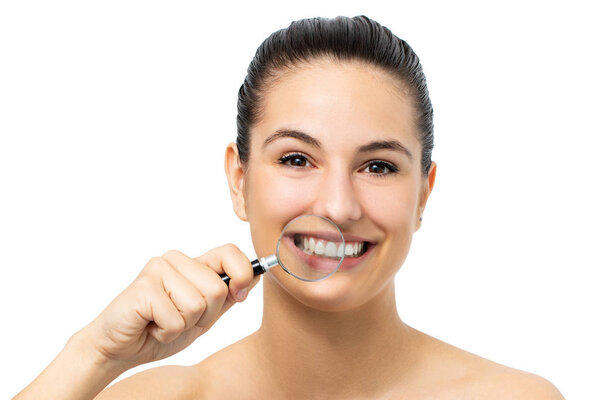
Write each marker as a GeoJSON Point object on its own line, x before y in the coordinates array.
{"type": "Point", "coordinates": [334, 119]}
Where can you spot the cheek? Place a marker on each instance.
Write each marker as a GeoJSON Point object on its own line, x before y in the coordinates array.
{"type": "Point", "coordinates": [280, 196]}
{"type": "Point", "coordinates": [391, 207]}
{"type": "Point", "coordinates": [272, 200]}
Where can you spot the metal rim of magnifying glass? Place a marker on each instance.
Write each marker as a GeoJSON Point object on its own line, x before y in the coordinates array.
{"type": "Point", "coordinates": [323, 277]}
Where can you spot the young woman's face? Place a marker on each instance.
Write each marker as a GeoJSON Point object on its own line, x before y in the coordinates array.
{"type": "Point", "coordinates": [337, 140]}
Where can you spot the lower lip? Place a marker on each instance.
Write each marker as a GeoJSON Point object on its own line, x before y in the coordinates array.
{"type": "Point", "coordinates": [325, 264]}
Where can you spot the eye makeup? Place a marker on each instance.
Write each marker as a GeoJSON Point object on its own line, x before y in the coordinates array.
{"type": "Point", "coordinates": [299, 160]}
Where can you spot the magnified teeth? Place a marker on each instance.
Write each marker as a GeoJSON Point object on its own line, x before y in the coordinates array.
{"type": "Point", "coordinates": [349, 250]}
{"type": "Point", "coordinates": [319, 248]}
{"type": "Point", "coordinates": [324, 248]}
{"type": "Point", "coordinates": [340, 251]}
{"type": "Point", "coordinates": [330, 249]}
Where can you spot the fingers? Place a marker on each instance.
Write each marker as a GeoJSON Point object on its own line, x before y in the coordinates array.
{"type": "Point", "coordinates": [230, 301]}
{"type": "Point", "coordinates": [188, 299]}
{"type": "Point", "coordinates": [231, 260]}
{"type": "Point", "coordinates": [207, 282]}
{"type": "Point", "coordinates": [171, 303]}
{"type": "Point", "coordinates": [183, 293]}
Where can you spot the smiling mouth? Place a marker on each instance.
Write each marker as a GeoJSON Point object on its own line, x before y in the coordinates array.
{"type": "Point", "coordinates": [324, 248]}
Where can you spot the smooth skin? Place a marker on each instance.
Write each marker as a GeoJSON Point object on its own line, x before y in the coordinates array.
{"type": "Point", "coordinates": [316, 150]}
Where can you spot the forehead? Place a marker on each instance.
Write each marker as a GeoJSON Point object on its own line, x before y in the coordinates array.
{"type": "Point", "coordinates": [338, 103]}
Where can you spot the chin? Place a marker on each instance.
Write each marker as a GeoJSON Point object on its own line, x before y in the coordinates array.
{"type": "Point", "coordinates": [338, 293]}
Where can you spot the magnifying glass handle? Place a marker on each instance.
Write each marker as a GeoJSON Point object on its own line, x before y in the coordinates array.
{"type": "Point", "coordinates": [256, 267]}
{"type": "Point", "coordinates": [259, 266]}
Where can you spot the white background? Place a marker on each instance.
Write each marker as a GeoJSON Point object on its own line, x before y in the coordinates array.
{"type": "Point", "coordinates": [114, 117]}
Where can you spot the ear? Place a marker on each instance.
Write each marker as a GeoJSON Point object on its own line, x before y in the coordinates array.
{"type": "Point", "coordinates": [235, 177]}
{"type": "Point", "coordinates": [426, 188]}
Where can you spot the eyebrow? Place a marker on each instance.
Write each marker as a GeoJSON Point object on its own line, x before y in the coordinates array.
{"type": "Point", "coordinates": [386, 145]}
{"type": "Point", "coordinates": [281, 133]}
{"type": "Point", "coordinates": [391, 144]}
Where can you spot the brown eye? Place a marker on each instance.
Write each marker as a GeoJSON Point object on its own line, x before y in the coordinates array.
{"type": "Point", "coordinates": [377, 169]}
{"type": "Point", "coordinates": [294, 160]}
{"type": "Point", "coordinates": [380, 168]}
{"type": "Point", "coordinates": [298, 162]}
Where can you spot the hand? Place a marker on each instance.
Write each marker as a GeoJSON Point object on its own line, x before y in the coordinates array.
{"type": "Point", "coordinates": [173, 301]}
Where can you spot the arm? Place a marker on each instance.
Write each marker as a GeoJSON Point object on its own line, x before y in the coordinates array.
{"type": "Point", "coordinates": [160, 383]}
{"type": "Point", "coordinates": [540, 388]}
{"type": "Point", "coordinates": [77, 373]}
{"type": "Point", "coordinates": [173, 301]}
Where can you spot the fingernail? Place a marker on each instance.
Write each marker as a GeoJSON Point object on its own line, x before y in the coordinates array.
{"type": "Point", "coordinates": [241, 294]}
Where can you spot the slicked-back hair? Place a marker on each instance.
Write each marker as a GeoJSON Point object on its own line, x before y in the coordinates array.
{"type": "Point", "coordinates": [342, 39]}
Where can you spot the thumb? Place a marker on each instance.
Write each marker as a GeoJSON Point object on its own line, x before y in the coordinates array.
{"type": "Point", "coordinates": [230, 301]}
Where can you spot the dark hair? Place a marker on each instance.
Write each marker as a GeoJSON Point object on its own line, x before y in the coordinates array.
{"type": "Point", "coordinates": [342, 39]}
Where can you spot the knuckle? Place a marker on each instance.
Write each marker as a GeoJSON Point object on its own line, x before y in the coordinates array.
{"type": "Point", "coordinates": [198, 306]}
{"type": "Point", "coordinates": [171, 254]}
{"type": "Point", "coordinates": [145, 282]}
{"type": "Point", "coordinates": [230, 247]}
{"type": "Point", "coordinates": [216, 291]}
{"type": "Point", "coordinates": [241, 276]}
{"type": "Point", "coordinates": [154, 265]}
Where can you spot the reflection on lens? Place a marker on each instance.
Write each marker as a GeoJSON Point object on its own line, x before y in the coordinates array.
{"type": "Point", "coordinates": [311, 248]}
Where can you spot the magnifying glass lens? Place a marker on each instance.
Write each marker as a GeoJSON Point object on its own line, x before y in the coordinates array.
{"type": "Point", "coordinates": [310, 248]}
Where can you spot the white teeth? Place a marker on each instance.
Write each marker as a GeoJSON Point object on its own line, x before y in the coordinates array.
{"type": "Point", "coordinates": [340, 251]}
{"type": "Point", "coordinates": [330, 249]}
{"type": "Point", "coordinates": [319, 248]}
{"type": "Point", "coordinates": [349, 250]}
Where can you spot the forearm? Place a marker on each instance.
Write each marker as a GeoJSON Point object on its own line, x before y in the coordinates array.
{"type": "Point", "coordinates": [77, 373]}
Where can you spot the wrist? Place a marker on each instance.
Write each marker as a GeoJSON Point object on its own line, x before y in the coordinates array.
{"type": "Point", "coordinates": [83, 345]}
{"type": "Point", "coordinates": [79, 372]}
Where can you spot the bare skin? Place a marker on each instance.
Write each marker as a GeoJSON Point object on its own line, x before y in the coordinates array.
{"type": "Point", "coordinates": [341, 337]}
{"type": "Point", "coordinates": [413, 365]}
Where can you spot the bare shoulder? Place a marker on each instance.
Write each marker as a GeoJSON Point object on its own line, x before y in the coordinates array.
{"type": "Point", "coordinates": [165, 382]}
{"type": "Point", "coordinates": [217, 376]}
{"type": "Point", "coordinates": [519, 385]}
{"type": "Point", "coordinates": [461, 374]}
{"type": "Point", "coordinates": [231, 373]}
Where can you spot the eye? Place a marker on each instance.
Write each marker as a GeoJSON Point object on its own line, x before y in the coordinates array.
{"type": "Point", "coordinates": [295, 160]}
{"type": "Point", "coordinates": [380, 168]}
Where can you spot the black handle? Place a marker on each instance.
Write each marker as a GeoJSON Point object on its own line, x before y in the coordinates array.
{"type": "Point", "coordinates": [256, 267]}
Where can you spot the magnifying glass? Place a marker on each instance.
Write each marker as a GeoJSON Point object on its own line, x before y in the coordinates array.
{"type": "Point", "coordinates": [310, 248]}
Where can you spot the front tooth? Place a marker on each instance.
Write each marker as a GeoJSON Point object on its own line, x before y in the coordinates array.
{"type": "Point", "coordinates": [330, 249]}
{"type": "Point", "coordinates": [356, 248]}
{"type": "Point", "coordinates": [340, 251]}
{"type": "Point", "coordinates": [311, 245]}
{"type": "Point", "coordinates": [349, 249]}
{"type": "Point", "coordinates": [320, 248]}
{"type": "Point", "coordinates": [305, 243]}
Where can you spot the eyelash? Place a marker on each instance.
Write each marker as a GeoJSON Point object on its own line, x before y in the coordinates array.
{"type": "Point", "coordinates": [391, 167]}
{"type": "Point", "coordinates": [290, 156]}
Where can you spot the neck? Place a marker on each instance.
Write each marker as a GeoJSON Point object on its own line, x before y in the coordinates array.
{"type": "Point", "coordinates": [310, 351]}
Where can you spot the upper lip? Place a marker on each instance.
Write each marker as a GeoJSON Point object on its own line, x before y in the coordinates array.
{"type": "Point", "coordinates": [355, 238]}
{"type": "Point", "coordinates": [332, 236]}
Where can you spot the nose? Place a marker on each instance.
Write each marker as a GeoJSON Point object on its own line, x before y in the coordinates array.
{"type": "Point", "coordinates": [337, 198]}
